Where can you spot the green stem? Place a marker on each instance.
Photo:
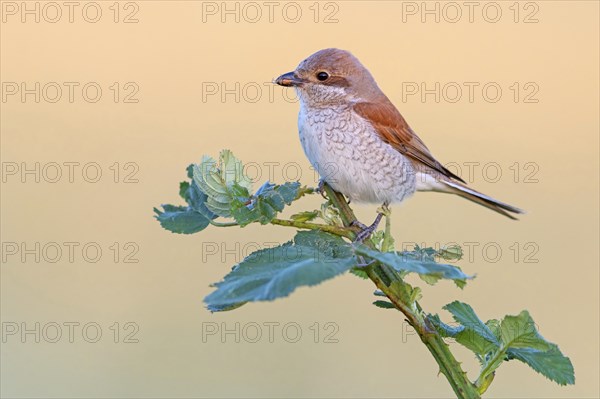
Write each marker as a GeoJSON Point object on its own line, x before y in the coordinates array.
{"type": "Point", "coordinates": [340, 231]}
{"type": "Point", "coordinates": [386, 245]}
{"type": "Point", "coordinates": [484, 383]}
{"type": "Point", "coordinates": [387, 280]}
{"type": "Point", "coordinates": [486, 376]}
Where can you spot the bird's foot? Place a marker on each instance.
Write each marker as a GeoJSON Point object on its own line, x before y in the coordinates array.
{"type": "Point", "coordinates": [358, 224]}
{"type": "Point", "coordinates": [384, 210]}
{"type": "Point", "coordinates": [321, 188]}
{"type": "Point", "coordinates": [366, 231]}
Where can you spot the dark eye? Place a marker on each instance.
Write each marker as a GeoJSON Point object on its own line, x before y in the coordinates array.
{"type": "Point", "coordinates": [322, 76]}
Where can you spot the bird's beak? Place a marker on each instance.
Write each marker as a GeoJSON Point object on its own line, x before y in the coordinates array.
{"type": "Point", "coordinates": [289, 79]}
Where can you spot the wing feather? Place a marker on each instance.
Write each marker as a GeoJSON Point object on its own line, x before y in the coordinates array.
{"type": "Point", "coordinates": [393, 129]}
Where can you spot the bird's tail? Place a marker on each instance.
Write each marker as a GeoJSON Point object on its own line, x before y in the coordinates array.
{"type": "Point", "coordinates": [454, 187]}
{"type": "Point", "coordinates": [482, 199]}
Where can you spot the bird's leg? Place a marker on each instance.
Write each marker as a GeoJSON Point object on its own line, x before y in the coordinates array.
{"type": "Point", "coordinates": [366, 231]}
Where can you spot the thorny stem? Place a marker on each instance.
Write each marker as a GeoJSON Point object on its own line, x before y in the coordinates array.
{"type": "Point", "coordinates": [391, 284]}
{"type": "Point", "coordinates": [337, 230]}
{"type": "Point", "coordinates": [386, 279]}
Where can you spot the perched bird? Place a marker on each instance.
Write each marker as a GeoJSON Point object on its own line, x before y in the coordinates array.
{"type": "Point", "coordinates": [359, 143]}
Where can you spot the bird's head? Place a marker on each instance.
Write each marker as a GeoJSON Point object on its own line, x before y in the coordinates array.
{"type": "Point", "coordinates": [331, 76]}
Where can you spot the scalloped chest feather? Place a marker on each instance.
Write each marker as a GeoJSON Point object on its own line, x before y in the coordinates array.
{"type": "Point", "coordinates": [349, 155]}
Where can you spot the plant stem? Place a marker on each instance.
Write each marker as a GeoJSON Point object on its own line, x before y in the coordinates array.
{"type": "Point", "coordinates": [387, 280]}
{"type": "Point", "coordinates": [337, 230]}
{"type": "Point", "coordinates": [386, 245]}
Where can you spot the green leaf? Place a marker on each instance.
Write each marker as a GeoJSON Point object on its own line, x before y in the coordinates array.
{"type": "Point", "coordinates": [477, 344]}
{"type": "Point", "coordinates": [186, 219]}
{"type": "Point", "coordinates": [228, 191]}
{"type": "Point", "coordinates": [305, 216]}
{"type": "Point", "coordinates": [273, 273]}
{"type": "Point", "coordinates": [196, 199]}
{"type": "Point", "coordinates": [407, 262]}
{"type": "Point", "coordinates": [451, 252]}
{"type": "Point", "coordinates": [460, 283]}
{"type": "Point", "coordinates": [551, 363]}
{"type": "Point", "coordinates": [181, 219]}
{"type": "Point", "coordinates": [217, 179]}
{"type": "Point", "coordinates": [384, 304]}
{"type": "Point", "coordinates": [464, 314]}
{"type": "Point", "coordinates": [377, 239]}
{"type": "Point", "coordinates": [407, 293]}
{"type": "Point", "coordinates": [207, 176]}
{"type": "Point", "coordinates": [515, 337]}
{"type": "Point", "coordinates": [183, 189]}
{"type": "Point", "coordinates": [445, 330]}
{"type": "Point", "coordinates": [330, 214]}
{"type": "Point", "coordinates": [520, 332]}
{"type": "Point", "coordinates": [232, 170]}
{"type": "Point", "coordinates": [359, 272]}
{"type": "Point", "coordinates": [225, 308]}
{"type": "Point", "coordinates": [430, 279]}
{"type": "Point", "coordinates": [263, 206]}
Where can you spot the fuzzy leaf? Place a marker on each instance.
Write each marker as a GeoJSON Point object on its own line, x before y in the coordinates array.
{"type": "Point", "coordinates": [464, 314]}
{"type": "Point", "coordinates": [181, 219]}
{"type": "Point", "coordinates": [272, 273]}
{"type": "Point", "coordinates": [520, 332]}
{"type": "Point", "coordinates": [551, 363]}
{"type": "Point", "coordinates": [445, 330]}
{"type": "Point", "coordinates": [514, 337]}
{"type": "Point", "coordinates": [415, 264]}
{"type": "Point", "coordinates": [451, 252]}
{"type": "Point", "coordinates": [217, 179]}
{"type": "Point", "coordinates": [305, 216]}
{"type": "Point", "coordinates": [384, 304]}
{"type": "Point", "coordinates": [262, 207]}
{"type": "Point", "coordinates": [183, 189]}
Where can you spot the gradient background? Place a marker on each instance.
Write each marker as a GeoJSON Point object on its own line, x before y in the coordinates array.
{"type": "Point", "coordinates": [170, 53]}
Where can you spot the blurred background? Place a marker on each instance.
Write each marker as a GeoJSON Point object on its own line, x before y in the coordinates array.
{"type": "Point", "coordinates": [104, 105]}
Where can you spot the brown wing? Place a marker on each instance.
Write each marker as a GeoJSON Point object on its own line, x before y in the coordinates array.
{"type": "Point", "coordinates": [394, 130]}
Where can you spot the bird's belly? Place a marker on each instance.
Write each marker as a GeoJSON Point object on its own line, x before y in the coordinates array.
{"type": "Point", "coordinates": [350, 157]}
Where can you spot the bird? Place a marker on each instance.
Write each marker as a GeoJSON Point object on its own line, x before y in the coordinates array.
{"type": "Point", "coordinates": [360, 144]}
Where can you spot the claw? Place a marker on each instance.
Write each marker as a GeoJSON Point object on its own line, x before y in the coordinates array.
{"type": "Point", "coordinates": [385, 210]}
{"type": "Point", "coordinates": [321, 188]}
{"type": "Point", "coordinates": [366, 231]}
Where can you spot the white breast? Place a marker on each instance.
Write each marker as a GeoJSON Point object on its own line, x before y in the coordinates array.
{"type": "Point", "coordinates": [348, 154]}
